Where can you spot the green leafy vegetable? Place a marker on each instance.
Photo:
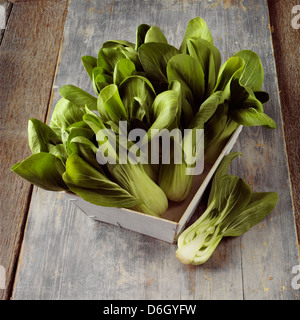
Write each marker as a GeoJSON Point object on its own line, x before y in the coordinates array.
{"type": "Point", "coordinates": [89, 64]}
{"type": "Point", "coordinates": [153, 86]}
{"type": "Point", "coordinates": [196, 28]}
{"type": "Point", "coordinates": [110, 105]}
{"type": "Point", "coordinates": [189, 73]}
{"type": "Point", "coordinates": [78, 96]}
{"type": "Point", "coordinates": [41, 138]}
{"type": "Point", "coordinates": [154, 58]}
{"type": "Point", "coordinates": [137, 95]}
{"type": "Point", "coordinates": [154, 34]}
{"type": "Point", "coordinates": [130, 176]}
{"type": "Point", "coordinates": [64, 115]}
{"type": "Point", "coordinates": [232, 210]}
{"type": "Point", "coordinates": [94, 187]}
{"type": "Point", "coordinates": [42, 169]}
{"type": "Point", "coordinates": [124, 68]}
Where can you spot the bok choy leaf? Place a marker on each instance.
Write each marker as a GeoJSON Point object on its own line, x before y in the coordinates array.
{"type": "Point", "coordinates": [232, 210]}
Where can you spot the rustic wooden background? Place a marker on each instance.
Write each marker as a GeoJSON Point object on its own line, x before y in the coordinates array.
{"type": "Point", "coordinates": [60, 258]}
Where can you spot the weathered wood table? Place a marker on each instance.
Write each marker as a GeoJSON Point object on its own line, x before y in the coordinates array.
{"type": "Point", "coordinates": [50, 249]}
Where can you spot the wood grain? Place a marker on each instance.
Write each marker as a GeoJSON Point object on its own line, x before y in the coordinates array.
{"type": "Point", "coordinates": [66, 255]}
{"type": "Point", "coordinates": [28, 57]}
{"type": "Point", "coordinates": [286, 42]}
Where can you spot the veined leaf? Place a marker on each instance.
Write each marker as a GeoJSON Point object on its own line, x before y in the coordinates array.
{"type": "Point", "coordinates": [232, 196]}
{"type": "Point", "coordinates": [134, 179]}
{"type": "Point", "coordinates": [242, 97]}
{"type": "Point", "coordinates": [100, 79]}
{"type": "Point", "coordinates": [131, 54]}
{"type": "Point", "coordinates": [86, 149]}
{"type": "Point", "coordinates": [94, 122]}
{"type": "Point", "coordinates": [233, 67]}
{"type": "Point", "coordinates": [253, 72]}
{"type": "Point", "coordinates": [188, 71]}
{"type": "Point", "coordinates": [154, 58]}
{"type": "Point", "coordinates": [60, 151]}
{"type": "Point", "coordinates": [165, 108]}
{"type": "Point", "coordinates": [260, 205]}
{"type": "Point", "coordinates": [65, 114]}
{"type": "Point", "coordinates": [140, 34]}
{"type": "Point", "coordinates": [206, 110]}
{"type": "Point", "coordinates": [78, 96]}
{"type": "Point", "coordinates": [123, 69]}
{"type": "Point", "coordinates": [221, 171]}
{"type": "Point", "coordinates": [196, 28]}
{"type": "Point", "coordinates": [42, 169]}
{"type": "Point", "coordinates": [174, 180]}
{"type": "Point", "coordinates": [232, 210]}
{"type": "Point", "coordinates": [176, 86]}
{"type": "Point", "coordinates": [252, 117]}
{"type": "Point", "coordinates": [89, 64]}
{"type": "Point", "coordinates": [77, 132]}
{"type": "Point", "coordinates": [41, 136]}
{"type": "Point", "coordinates": [154, 34]}
{"type": "Point", "coordinates": [110, 105]}
{"type": "Point", "coordinates": [78, 124]}
{"type": "Point", "coordinates": [85, 141]}
{"type": "Point", "coordinates": [137, 95]}
{"type": "Point", "coordinates": [210, 59]}
{"type": "Point", "coordinates": [105, 137]}
{"type": "Point", "coordinates": [93, 186]}
{"type": "Point", "coordinates": [117, 43]}
{"type": "Point", "coordinates": [108, 58]}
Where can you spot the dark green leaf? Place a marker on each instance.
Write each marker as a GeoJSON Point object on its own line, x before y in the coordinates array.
{"type": "Point", "coordinates": [40, 136]}
{"type": "Point", "coordinates": [220, 172]}
{"type": "Point", "coordinates": [60, 151]}
{"type": "Point", "coordinates": [154, 58]}
{"type": "Point", "coordinates": [78, 96]}
{"type": "Point", "coordinates": [100, 79]}
{"type": "Point", "coordinates": [232, 68]}
{"type": "Point", "coordinates": [123, 69]}
{"type": "Point", "coordinates": [108, 58]}
{"type": "Point", "coordinates": [65, 114]}
{"type": "Point", "coordinates": [165, 108]}
{"type": "Point", "coordinates": [137, 95]}
{"type": "Point", "coordinates": [154, 34]}
{"type": "Point", "coordinates": [188, 71]}
{"type": "Point", "coordinates": [93, 186]}
{"type": "Point", "coordinates": [196, 28]}
{"type": "Point", "coordinates": [140, 34]}
{"type": "Point", "coordinates": [253, 73]}
{"type": "Point", "coordinates": [89, 64]}
{"type": "Point", "coordinates": [252, 117]}
{"type": "Point", "coordinates": [42, 169]}
{"type": "Point", "coordinates": [110, 105]}
{"type": "Point", "coordinates": [206, 110]}
{"type": "Point", "coordinates": [260, 205]}
{"type": "Point", "coordinates": [210, 59]}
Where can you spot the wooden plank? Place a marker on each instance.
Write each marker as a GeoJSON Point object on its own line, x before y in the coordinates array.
{"type": "Point", "coordinates": [28, 57]}
{"type": "Point", "coordinates": [66, 255]}
{"type": "Point", "coordinates": [286, 41]}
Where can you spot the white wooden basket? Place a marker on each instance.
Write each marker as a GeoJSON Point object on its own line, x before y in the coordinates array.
{"type": "Point", "coordinates": [174, 220]}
